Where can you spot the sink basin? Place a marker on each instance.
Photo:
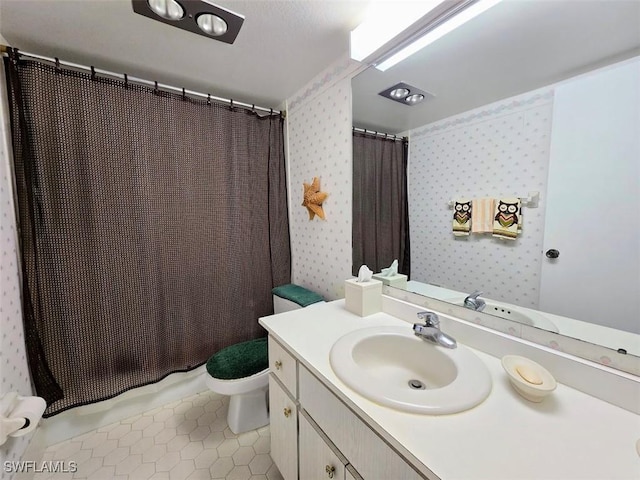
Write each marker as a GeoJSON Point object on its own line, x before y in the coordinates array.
{"type": "Point", "coordinates": [513, 313]}
{"type": "Point", "coordinates": [395, 368]}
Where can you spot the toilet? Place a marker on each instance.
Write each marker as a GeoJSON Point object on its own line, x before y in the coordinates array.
{"type": "Point", "coordinates": [241, 371]}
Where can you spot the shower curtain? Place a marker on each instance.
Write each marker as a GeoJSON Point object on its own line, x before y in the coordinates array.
{"type": "Point", "coordinates": [380, 204]}
{"type": "Point", "coordinates": [153, 227]}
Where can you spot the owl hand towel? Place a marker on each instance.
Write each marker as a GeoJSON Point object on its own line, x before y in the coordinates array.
{"type": "Point", "coordinates": [462, 217]}
{"type": "Point", "coordinates": [507, 222]}
{"type": "Point", "coordinates": [482, 214]}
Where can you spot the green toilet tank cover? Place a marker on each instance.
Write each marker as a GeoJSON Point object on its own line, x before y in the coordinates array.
{"type": "Point", "coordinates": [239, 360]}
{"type": "Point", "coordinates": [297, 294]}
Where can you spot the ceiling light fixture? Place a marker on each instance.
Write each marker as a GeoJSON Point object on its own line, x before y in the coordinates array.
{"type": "Point", "coordinates": [381, 24]}
{"type": "Point", "coordinates": [169, 9]}
{"type": "Point", "coordinates": [212, 24]}
{"type": "Point", "coordinates": [196, 16]}
{"type": "Point", "coordinates": [405, 94]}
{"type": "Point", "coordinates": [399, 93]}
{"type": "Point", "coordinates": [413, 99]}
{"type": "Point", "coordinates": [433, 33]}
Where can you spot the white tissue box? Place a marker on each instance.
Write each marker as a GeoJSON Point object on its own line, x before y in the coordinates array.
{"type": "Point", "coordinates": [363, 298]}
{"type": "Point", "coordinates": [398, 280]}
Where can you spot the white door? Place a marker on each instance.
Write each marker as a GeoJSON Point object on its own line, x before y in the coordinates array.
{"type": "Point", "coordinates": [593, 200]}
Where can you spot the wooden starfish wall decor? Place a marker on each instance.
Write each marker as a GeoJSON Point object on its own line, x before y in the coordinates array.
{"type": "Point", "coordinates": [313, 198]}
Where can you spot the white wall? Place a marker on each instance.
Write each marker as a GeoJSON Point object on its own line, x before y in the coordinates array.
{"type": "Point", "coordinates": [14, 372]}
{"type": "Point", "coordinates": [499, 150]}
{"type": "Point", "coordinates": [319, 145]}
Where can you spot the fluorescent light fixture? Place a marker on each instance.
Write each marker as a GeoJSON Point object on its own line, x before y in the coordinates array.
{"type": "Point", "coordinates": [383, 21]}
{"type": "Point", "coordinates": [440, 31]}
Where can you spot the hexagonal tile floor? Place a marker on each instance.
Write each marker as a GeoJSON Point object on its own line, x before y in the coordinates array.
{"type": "Point", "coordinates": [184, 440]}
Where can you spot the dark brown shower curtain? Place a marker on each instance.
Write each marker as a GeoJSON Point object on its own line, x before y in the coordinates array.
{"type": "Point", "coordinates": [153, 227]}
{"type": "Point", "coordinates": [380, 205]}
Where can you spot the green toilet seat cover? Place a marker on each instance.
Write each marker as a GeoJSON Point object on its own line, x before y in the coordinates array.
{"type": "Point", "coordinates": [239, 360]}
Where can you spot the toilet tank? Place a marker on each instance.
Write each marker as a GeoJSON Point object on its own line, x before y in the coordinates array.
{"type": "Point", "coordinates": [281, 305]}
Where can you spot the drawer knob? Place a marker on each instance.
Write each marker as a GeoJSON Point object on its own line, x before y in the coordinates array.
{"type": "Point", "coordinates": [287, 412]}
{"type": "Point", "coordinates": [330, 470]}
{"type": "Point", "coordinates": [278, 364]}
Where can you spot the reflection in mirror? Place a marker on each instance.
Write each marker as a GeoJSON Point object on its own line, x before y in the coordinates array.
{"type": "Point", "coordinates": [380, 210]}
{"type": "Point", "coordinates": [528, 97]}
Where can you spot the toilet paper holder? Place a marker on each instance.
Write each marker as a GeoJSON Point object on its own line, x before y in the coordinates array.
{"type": "Point", "coordinates": [19, 415]}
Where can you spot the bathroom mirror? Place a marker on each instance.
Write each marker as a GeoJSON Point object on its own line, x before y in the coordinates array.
{"type": "Point", "coordinates": [497, 109]}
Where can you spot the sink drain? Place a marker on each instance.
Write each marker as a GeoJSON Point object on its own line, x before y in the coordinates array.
{"type": "Point", "coordinates": [416, 385]}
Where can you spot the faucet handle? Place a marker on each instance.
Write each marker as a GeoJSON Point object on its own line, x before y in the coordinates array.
{"type": "Point", "coordinates": [430, 318]}
{"type": "Point", "coordinates": [473, 302]}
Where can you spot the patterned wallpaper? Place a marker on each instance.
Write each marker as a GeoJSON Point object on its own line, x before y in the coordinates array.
{"type": "Point", "coordinates": [319, 145]}
{"type": "Point", "coordinates": [14, 372]}
{"type": "Point", "coordinates": [499, 150]}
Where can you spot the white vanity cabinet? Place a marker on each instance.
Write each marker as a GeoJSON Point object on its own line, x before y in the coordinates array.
{"type": "Point", "coordinates": [317, 459]}
{"type": "Point", "coordinates": [315, 436]}
{"type": "Point", "coordinates": [283, 410]}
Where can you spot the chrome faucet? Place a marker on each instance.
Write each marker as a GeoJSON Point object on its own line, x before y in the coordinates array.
{"type": "Point", "coordinates": [474, 303]}
{"type": "Point", "coordinates": [431, 332]}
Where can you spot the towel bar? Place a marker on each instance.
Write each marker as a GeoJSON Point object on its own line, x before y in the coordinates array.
{"type": "Point", "coordinates": [531, 201]}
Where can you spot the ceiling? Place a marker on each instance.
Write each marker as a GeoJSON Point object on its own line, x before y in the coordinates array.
{"type": "Point", "coordinates": [515, 47]}
{"type": "Point", "coordinates": [281, 46]}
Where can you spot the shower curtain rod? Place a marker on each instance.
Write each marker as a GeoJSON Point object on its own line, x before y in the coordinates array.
{"type": "Point", "coordinates": [4, 50]}
{"type": "Point", "coordinates": [379, 134]}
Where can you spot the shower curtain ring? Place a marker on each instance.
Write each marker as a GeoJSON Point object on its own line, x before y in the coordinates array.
{"type": "Point", "coordinates": [208, 99]}
{"type": "Point", "coordinates": [184, 97]}
{"type": "Point", "coordinates": [57, 65]}
{"type": "Point", "coordinates": [14, 55]}
{"type": "Point", "coordinates": [231, 103]}
{"type": "Point", "coordinates": [126, 81]}
{"type": "Point", "coordinates": [93, 73]}
{"type": "Point", "coordinates": [155, 87]}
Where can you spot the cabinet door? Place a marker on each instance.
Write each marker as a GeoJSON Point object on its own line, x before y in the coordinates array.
{"type": "Point", "coordinates": [350, 473]}
{"type": "Point", "coordinates": [317, 461]}
{"type": "Point", "coordinates": [283, 415]}
{"type": "Point", "coordinates": [363, 448]}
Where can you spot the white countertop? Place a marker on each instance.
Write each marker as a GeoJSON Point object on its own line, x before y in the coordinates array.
{"type": "Point", "coordinates": [570, 435]}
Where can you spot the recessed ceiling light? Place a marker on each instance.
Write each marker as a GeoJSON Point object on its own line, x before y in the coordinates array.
{"type": "Point", "coordinates": [169, 9]}
{"type": "Point", "coordinates": [415, 98]}
{"type": "Point", "coordinates": [399, 93]}
{"type": "Point", "coordinates": [196, 16]}
{"type": "Point", "coordinates": [405, 94]}
{"type": "Point", "coordinates": [212, 24]}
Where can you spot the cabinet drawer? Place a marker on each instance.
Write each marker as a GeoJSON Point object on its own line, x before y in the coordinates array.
{"type": "Point", "coordinates": [317, 460]}
{"type": "Point", "coordinates": [283, 366]}
{"type": "Point", "coordinates": [366, 451]}
{"type": "Point", "coordinates": [283, 418]}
